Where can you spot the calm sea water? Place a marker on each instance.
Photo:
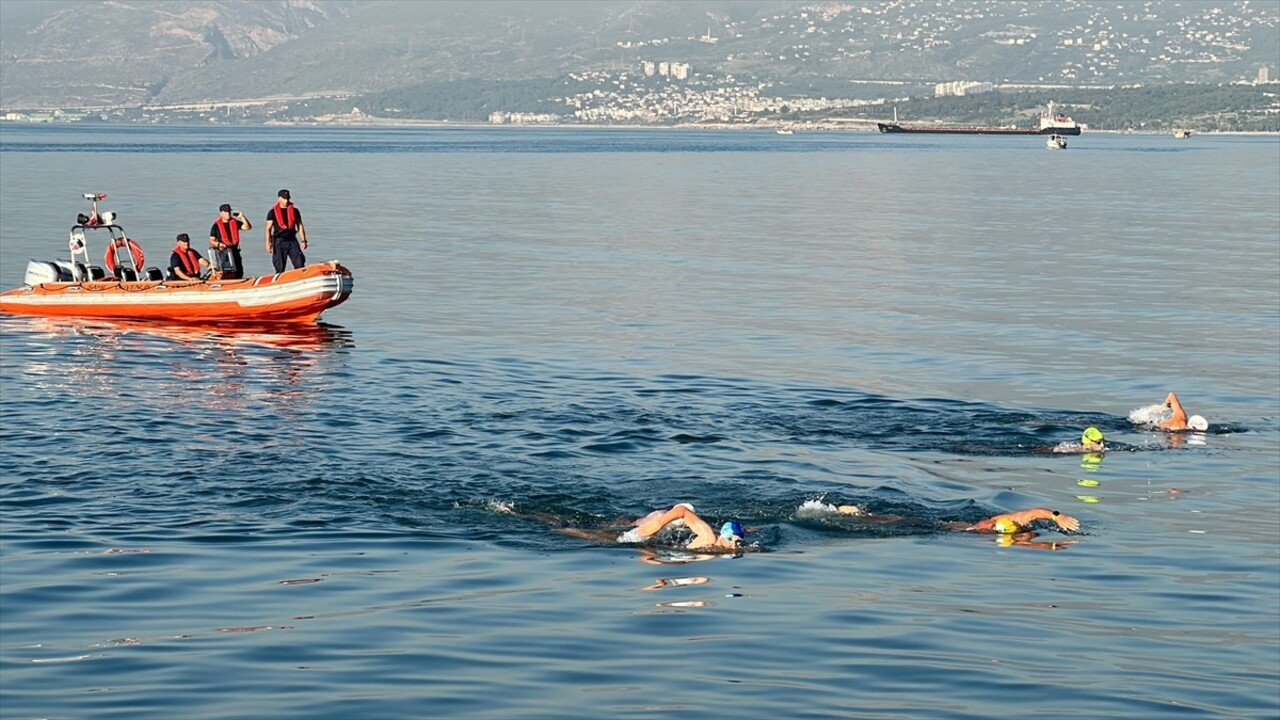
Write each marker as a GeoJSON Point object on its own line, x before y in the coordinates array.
{"type": "Point", "coordinates": [590, 324]}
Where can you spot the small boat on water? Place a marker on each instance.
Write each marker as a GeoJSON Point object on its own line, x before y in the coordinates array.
{"type": "Point", "coordinates": [1056, 142]}
{"type": "Point", "coordinates": [1182, 134]}
{"type": "Point", "coordinates": [124, 290]}
{"type": "Point", "coordinates": [785, 131]}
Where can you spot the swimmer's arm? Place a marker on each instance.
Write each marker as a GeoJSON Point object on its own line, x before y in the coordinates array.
{"type": "Point", "coordinates": [601, 536]}
{"type": "Point", "coordinates": [1026, 517]}
{"type": "Point", "coordinates": [704, 534]}
{"type": "Point", "coordinates": [1179, 419]}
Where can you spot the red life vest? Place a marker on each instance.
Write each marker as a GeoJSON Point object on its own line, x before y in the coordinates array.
{"type": "Point", "coordinates": [280, 217]}
{"type": "Point", "coordinates": [190, 260]}
{"type": "Point", "coordinates": [230, 232]}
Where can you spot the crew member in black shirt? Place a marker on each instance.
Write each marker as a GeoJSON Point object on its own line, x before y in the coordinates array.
{"type": "Point", "coordinates": [285, 235]}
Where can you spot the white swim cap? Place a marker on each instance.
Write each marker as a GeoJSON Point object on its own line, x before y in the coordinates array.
{"type": "Point", "coordinates": [1195, 422]}
{"type": "Point", "coordinates": [687, 505]}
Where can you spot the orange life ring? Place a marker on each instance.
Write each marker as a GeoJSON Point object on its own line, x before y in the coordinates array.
{"type": "Point", "coordinates": [110, 258]}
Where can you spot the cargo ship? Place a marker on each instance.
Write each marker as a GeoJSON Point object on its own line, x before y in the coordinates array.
{"type": "Point", "coordinates": [1051, 123]}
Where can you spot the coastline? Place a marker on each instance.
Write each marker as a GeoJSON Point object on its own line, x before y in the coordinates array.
{"type": "Point", "coordinates": [852, 125]}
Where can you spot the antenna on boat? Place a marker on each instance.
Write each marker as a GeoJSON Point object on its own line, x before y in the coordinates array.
{"type": "Point", "coordinates": [94, 218]}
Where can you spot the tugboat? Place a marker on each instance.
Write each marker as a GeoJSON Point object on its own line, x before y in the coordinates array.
{"type": "Point", "coordinates": [120, 289]}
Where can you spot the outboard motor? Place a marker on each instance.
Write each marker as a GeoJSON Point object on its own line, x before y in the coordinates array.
{"type": "Point", "coordinates": [40, 272]}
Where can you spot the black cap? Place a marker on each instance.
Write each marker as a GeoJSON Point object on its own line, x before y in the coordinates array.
{"type": "Point", "coordinates": [224, 207]}
{"type": "Point", "coordinates": [183, 237]}
{"type": "Point", "coordinates": [284, 194]}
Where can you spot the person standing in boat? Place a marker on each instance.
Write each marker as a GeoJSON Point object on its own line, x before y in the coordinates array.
{"type": "Point", "coordinates": [285, 235]}
{"type": "Point", "coordinates": [224, 237]}
{"type": "Point", "coordinates": [185, 263]}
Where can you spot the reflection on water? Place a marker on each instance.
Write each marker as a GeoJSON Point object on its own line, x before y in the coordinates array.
{"type": "Point", "coordinates": [1028, 540]}
{"type": "Point", "coordinates": [673, 556]}
{"type": "Point", "coordinates": [118, 333]}
{"type": "Point", "coordinates": [1091, 461]}
{"type": "Point", "coordinates": [676, 582]}
{"type": "Point", "coordinates": [155, 362]}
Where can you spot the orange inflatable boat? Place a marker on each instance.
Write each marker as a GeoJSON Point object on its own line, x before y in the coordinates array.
{"type": "Point", "coordinates": [77, 289]}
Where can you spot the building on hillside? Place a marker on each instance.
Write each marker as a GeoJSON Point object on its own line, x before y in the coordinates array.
{"type": "Point", "coordinates": [522, 118]}
{"type": "Point", "coordinates": [677, 70]}
{"type": "Point", "coordinates": [962, 87]}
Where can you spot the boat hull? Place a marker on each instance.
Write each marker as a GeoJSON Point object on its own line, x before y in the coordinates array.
{"type": "Point", "coordinates": [943, 130]}
{"type": "Point", "coordinates": [297, 295]}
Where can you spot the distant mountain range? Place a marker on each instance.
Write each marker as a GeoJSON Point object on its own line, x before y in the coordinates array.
{"type": "Point", "coordinates": [130, 53]}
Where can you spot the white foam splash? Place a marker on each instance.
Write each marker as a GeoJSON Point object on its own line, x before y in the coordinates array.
{"type": "Point", "coordinates": [1150, 414]}
{"type": "Point", "coordinates": [501, 506]}
{"type": "Point", "coordinates": [631, 536]}
{"type": "Point", "coordinates": [815, 508]}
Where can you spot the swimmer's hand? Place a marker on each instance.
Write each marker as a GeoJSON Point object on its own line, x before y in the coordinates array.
{"type": "Point", "coordinates": [849, 509]}
{"type": "Point", "coordinates": [1066, 522]}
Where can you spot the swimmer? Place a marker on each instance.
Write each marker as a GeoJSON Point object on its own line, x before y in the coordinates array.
{"type": "Point", "coordinates": [1178, 421]}
{"type": "Point", "coordinates": [705, 538]}
{"type": "Point", "coordinates": [729, 539]}
{"type": "Point", "coordinates": [1004, 524]}
{"type": "Point", "coordinates": [1091, 441]}
{"type": "Point", "coordinates": [638, 532]}
{"type": "Point", "coordinates": [1020, 521]}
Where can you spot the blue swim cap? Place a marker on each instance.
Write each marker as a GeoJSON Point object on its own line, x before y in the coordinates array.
{"type": "Point", "coordinates": [732, 530]}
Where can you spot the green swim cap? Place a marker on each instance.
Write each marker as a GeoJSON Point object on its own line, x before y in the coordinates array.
{"type": "Point", "coordinates": [1091, 435]}
{"type": "Point", "coordinates": [1005, 526]}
